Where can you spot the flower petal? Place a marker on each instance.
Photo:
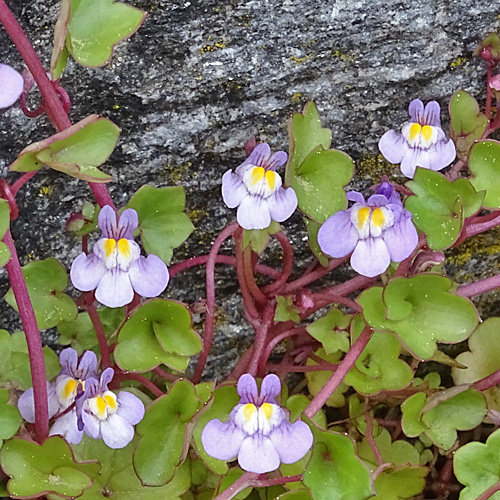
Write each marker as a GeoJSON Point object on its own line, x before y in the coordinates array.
{"type": "Point", "coordinates": [277, 160]}
{"type": "Point", "coordinates": [11, 85]}
{"type": "Point", "coordinates": [282, 204]}
{"type": "Point", "coordinates": [292, 441]}
{"type": "Point", "coordinates": [69, 361]}
{"type": "Point", "coordinates": [337, 237]}
{"type": "Point", "coordinates": [130, 407]}
{"type": "Point", "coordinates": [253, 213]}
{"type": "Point", "coordinates": [233, 189]}
{"type": "Point", "coordinates": [401, 239]}
{"type": "Point", "coordinates": [392, 146]}
{"type": "Point", "coordinates": [86, 272]}
{"type": "Point", "coordinates": [410, 160]}
{"type": "Point", "coordinates": [91, 425]}
{"type": "Point", "coordinates": [87, 365]}
{"type": "Point", "coordinates": [247, 389]}
{"type": "Point", "coordinates": [222, 440]}
{"type": "Point", "coordinates": [129, 221]}
{"type": "Point", "coordinates": [416, 110]}
{"type": "Point", "coordinates": [258, 454]}
{"type": "Point", "coordinates": [67, 426]}
{"type": "Point", "coordinates": [116, 432]}
{"type": "Point", "coordinates": [107, 221]}
{"type": "Point", "coordinates": [441, 155]}
{"type": "Point", "coordinates": [149, 276]}
{"type": "Point", "coordinates": [270, 388]}
{"type": "Point", "coordinates": [106, 377]}
{"type": "Point", "coordinates": [370, 257]}
{"type": "Point", "coordinates": [26, 403]}
{"type": "Point", "coordinates": [432, 114]}
{"type": "Point", "coordinates": [356, 197]}
{"type": "Point", "coordinates": [115, 289]}
{"type": "Point", "coordinates": [257, 157]}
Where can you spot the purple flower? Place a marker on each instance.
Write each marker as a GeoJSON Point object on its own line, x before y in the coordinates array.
{"type": "Point", "coordinates": [375, 231]}
{"type": "Point", "coordinates": [69, 385]}
{"type": "Point", "coordinates": [116, 268]}
{"type": "Point", "coordinates": [11, 86]}
{"type": "Point", "coordinates": [257, 431]}
{"type": "Point", "coordinates": [103, 414]}
{"type": "Point", "coordinates": [421, 143]}
{"type": "Point", "coordinates": [256, 189]}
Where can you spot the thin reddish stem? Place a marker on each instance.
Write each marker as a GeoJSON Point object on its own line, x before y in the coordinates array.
{"type": "Point", "coordinates": [279, 338]}
{"type": "Point", "coordinates": [277, 286]}
{"type": "Point", "coordinates": [334, 381]}
{"type": "Point", "coordinates": [371, 440]}
{"type": "Point", "coordinates": [261, 337]}
{"type": "Point", "coordinates": [287, 368]}
{"type": "Point", "coordinates": [137, 377]}
{"type": "Point", "coordinates": [488, 382]}
{"type": "Point", "coordinates": [250, 279]}
{"type": "Point", "coordinates": [210, 315]}
{"type": "Point", "coordinates": [487, 108]}
{"type": "Point", "coordinates": [482, 286]}
{"type": "Point", "coordinates": [251, 312]}
{"type": "Point", "coordinates": [35, 351]}
{"type": "Point", "coordinates": [489, 492]}
{"type": "Point", "coordinates": [263, 483]}
{"type": "Point", "coordinates": [22, 181]}
{"type": "Point", "coordinates": [169, 377]}
{"type": "Point", "coordinates": [240, 484]}
{"type": "Point", "coordinates": [99, 330]}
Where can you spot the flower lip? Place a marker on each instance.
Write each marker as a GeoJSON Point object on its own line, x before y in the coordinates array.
{"type": "Point", "coordinates": [11, 86]}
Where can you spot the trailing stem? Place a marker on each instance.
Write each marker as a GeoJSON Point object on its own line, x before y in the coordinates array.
{"type": "Point", "coordinates": [99, 330]}
{"type": "Point", "coordinates": [482, 286]}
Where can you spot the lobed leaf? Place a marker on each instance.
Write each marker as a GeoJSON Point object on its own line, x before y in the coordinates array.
{"type": "Point", "coordinates": [484, 164]}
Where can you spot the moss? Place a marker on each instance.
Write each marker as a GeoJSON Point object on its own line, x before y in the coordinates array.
{"type": "Point", "coordinates": [481, 245]}
{"type": "Point", "coordinates": [297, 96]}
{"type": "Point", "coordinates": [348, 57]}
{"type": "Point", "coordinates": [45, 191]}
{"type": "Point", "coordinates": [299, 60]}
{"type": "Point", "coordinates": [178, 173]}
{"type": "Point", "coordinates": [212, 47]}
{"type": "Point", "coordinates": [374, 167]}
{"type": "Point", "coordinates": [457, 62]}
{"type": "Point", "coordinates": [197, 214]}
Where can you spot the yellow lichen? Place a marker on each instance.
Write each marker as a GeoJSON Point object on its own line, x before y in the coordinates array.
{"type": "Point", "coordinates": [45, 191]}
{"type": "Point", "coordinates": [299, 60]}
{"type": "Point", "coordinates": [457, 62]}
{"type": "Point", "coordinates": [480, 245]}
{"type": "Point", "coordinates": [212, 47]}
{"type": "Point", "coordinates": [373, 167]}
{"type": "Point", "coordinates": [297, 96]}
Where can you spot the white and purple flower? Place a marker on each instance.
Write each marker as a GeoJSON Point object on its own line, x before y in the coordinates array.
{"type": "Point", "coordinates": [421, 143]}
{"type": "Point", "coordinates": [256, 189]}
{"type": "Point", "coordinates": [375, 231]}
{"type": "Point", "coordinates": [116, 268]}
{"type": "Point", "coordinates": [103, 414]}
{"type": "Point", "coordinates": [258, 431]}
{"type": "Point", "coordinates": [11, 86]}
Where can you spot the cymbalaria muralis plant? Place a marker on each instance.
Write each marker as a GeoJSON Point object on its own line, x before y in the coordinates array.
{"type": "Point", "coordinates": [122, 413]}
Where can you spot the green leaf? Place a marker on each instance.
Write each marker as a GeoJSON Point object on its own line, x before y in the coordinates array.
{"type": "Point", "coordinates": [162, 221]}
{"type": "Point", "coordinates": [10, 418]}
{"type": "Point", "coordinates": [484, 164]}
{"type": "Point", "coordinates": [296, 495]}
{"type": "Point", "coordinates": [467, 122]}
{"type": "Point", "coordinates": [224, 399]}
{"type": "Point", "coordinates": [286, 310]}
{"type": "Point", "coordinates": [60, 52]}
{"type": "Point", "coordinates": [312, 239]}
{"type": "Point", "coordinates": [477, 466]}
{"type": "Point", "coordinates": [46, 281]}
{"type": "Point", "coordinates": [420, 311]}
{"type": "Point", "coordinates": [162, 431]}
{"type": "Point", "coordinates": [439, 206]}
{"type": "Point", "coordinates": [403, 482]}
{"type": "Point", "coordinates": [96, 26]}
{"type": "Point", "coordinates": [482, 359]}
{"type": "Point", "coordinates": [76, 151]}
{"type": "Point", "coordinates": [118, 479]}
{"type": "Point", "coordinates": [378, 367]}
{"type": "Point", "coordinates": [158, 332]}
{"type": "Point", "coordinates": [335, 472]}
{"type": "Point", "coordinates": [48, 468]}
{"type": "Point", "coordinates": [317, 174]}
{"type": "Point", "coordinates": [229, 479]}
{"type": "Point", "coordinates": [86, 222]}
{"type": "Point", "coordinates": [331, 331]}
{"type": "Point", "coordinates": [463, 411]}
{"type": "Point", "coordinates": [257, 239]}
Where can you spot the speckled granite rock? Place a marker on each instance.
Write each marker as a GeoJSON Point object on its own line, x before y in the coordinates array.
{"type": "Point", "coordinates": [201, 77]}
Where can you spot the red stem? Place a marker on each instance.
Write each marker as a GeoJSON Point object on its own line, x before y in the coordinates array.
{"type": "Point", "coordinates": [210, 316]}
{"type": "Point", "coordinates": [480, 225]}
{"type": "Point", "coordinates": [276, 340]}
{"type": "Point", "coordinates": [121, 376]}
{"type": "Point", "coordinates": [99, 330]}
{"type": "Point", "coordinates": [322, 367]}
{"type": "Point", "coordinates": [488, 382]}
{"type": "Point", "coordinates": [169, 377]}
{"type": "Point", "coordinates": [37, 363]}
{"type": "Point", "coordinates": [334, 381]}
{"type": "Point", "coordinates": [371, 440]}
{"type": "Point", "coordinates": [482, 286]}
{"type": "Point", "coordinates": [250, 279]}
{"type": "Point", "coordinates": [251, 312]}
{"type": "Point", "coordinates": [240, 484]}
{"type": "Point", "coordinates": [487, 108]}
{"type": "Point", "coordinates": [255, 367]}
{"type": "Point", "coordinates": [21, 182]}
{"type": "Point", "coordinates": [277, 286]}
{"type": "Point", "coordinates": [489, 492]}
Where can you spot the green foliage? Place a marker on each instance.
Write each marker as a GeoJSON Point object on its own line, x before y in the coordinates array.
{"type": "Point", "coordinates": [117, 478]}
{"type": "Point", "coordinates": [4, 225]}
{"type": "Point", "coordinates": [76, 151]}
{"type": "Point", "coordinates": [229, 479]}
{"type": "Point", "coordinates": [257, 239]}
{"type": "Point", "coordinates": [296, 495]}
{"type": "Point", "coordinates": [162, 434]}
{"type": "Point", "coordinates": [90, 29]}
{"type": "Point", "coordinates": [86, 223]}
{"type": "Point", "coordinates": [440, 418]}
{"type": "Point", "coordinates": [48, 468]}
{"type": "Point", "coordinates": [477, 466]}
{"type": "Point", "coordinates": [335, 471]}
{"type": "Point", "coordinates": [467, 122]}
{"type": "Point", "coordinates": [317, 174]}
{"type": "Point", "coordinates": [395, 483]}
{"type": "Point", "coordinates": [440, 207]}
{"type": "Point", "coordinates": [46, 281]}
{"type": "Point", "coordinates": [163, 224]}
{"type": "Point", "coordinates": [10, 418]}
{"type": "Point", "coordinates": [158, 332]}
{"type": "Point", "coordinates": [484, 164]}
{"type": "Point", "coordinates": [15, 361]}
{"type": "Point", "coordinates": [482, 359]}
{"type": "Point", "coordinates": [331, 331]}
{"type": "Point", "coordinates": [312, 239]}
{"type": "Point", "coordinates": [378, 367]}
{"type": "Point", "coordinates": [286, 310]}
{"type": "Point", "coordinates": [420, 311]}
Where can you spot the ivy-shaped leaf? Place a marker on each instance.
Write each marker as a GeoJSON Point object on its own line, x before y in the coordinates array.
{"type": "Point", "coordinates": [163, 224]}
{"type": "Point", "coordinates": [317, 174]}
{"type": "Point", "coordinates": [85, 222]}
{"type": "Point", "coordinates": [47, 468]}
{"type": "Point", "coordinates": [46, 281]}
{"type": "Point", "coordinates": [477, 466]}
{"type": "Point", "coordinates": [467, 122]}
{"type": "Point", "coordinates": [10, 418]}
{"type": "Point", "coordinates": [158, 332]}
{"type": "Point", "coordinates": [312, 239]}
{"type": "Point", "coordinates": [398, 483]}
{"type": "Point", "coordinates": [331, 331]}
{"type": "Point", "coordinates": [286, 310]}
{"type": "Point", "coordinates": [162, 434]}
{"type": "Point", "coordinates": [463, 411]}
{"type": "Point", "coordinates": [484, 164]}
{"type": "Point", "coordinates": [420, 311]}
{"type": "Point", "coordinates": [76, 151]}
{"type": "Point", "coordinates": [440, 207]}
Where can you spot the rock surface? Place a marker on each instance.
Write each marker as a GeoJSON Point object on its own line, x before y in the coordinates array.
{"type": "Point", "coordinates": [201, 77]}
